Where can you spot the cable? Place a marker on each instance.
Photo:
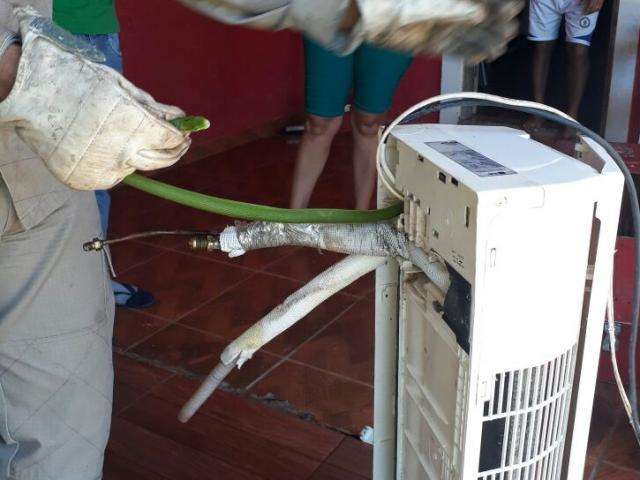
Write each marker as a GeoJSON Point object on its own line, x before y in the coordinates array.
{"type": "Point", "coordinates": [474, 100]}
{"type": "Point", "coordinates": [249, 211]}
{"type": "Point", "coordinates": [614, 360]}
{"type": "Point", "coordinates": [420, 109]}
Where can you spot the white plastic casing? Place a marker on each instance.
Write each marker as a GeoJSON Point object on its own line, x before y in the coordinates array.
{"type": "Point", "coordinates": [532, 231]}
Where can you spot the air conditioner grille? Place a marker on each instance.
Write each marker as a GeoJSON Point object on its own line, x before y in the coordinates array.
{"type": "Point", "coordinates": [525, 420]}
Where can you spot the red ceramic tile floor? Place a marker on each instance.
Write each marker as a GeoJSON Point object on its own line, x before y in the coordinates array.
{"type": "Point", "coordinates": [231, 436]}
{"type": "Point", "coordinates": [132, 327]}
{"type": "Point", "coordinates": [288, 403]}
{"type": "Point", "coordinates": [333, 400]}
{"type": "Point", "coordinates": [196, 352]}
{"type": "Point", "coordinates": [346, 346]}
{"type": "Point", "coordinates": [183, 282]}
{"type": "Point", "coordinates": [229, 315]}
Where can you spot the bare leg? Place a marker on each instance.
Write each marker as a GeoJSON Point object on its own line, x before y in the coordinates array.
{"type": "Point", "coordinates": [577, 75]}
{"type": "Point", "coordinates": [8, 69]}
{"type": "Point", "coordinates": [312, 156]}
{"type": "Point", "coordinates": [365, 142]}
{"type": "Point", "coordinates": [542, 52]}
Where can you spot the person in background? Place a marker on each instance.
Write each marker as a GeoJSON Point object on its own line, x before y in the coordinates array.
{"type": "Point", "coordinates": [97, 23]}
{"type": "Point", "coordinates": [373, 74]}
{"type": "Point", "coordinates": [545, 17]}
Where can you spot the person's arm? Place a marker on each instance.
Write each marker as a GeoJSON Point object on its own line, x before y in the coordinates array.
{"type": "Point", "coordinates": [475, 29]}
{"type": "Point", "coordinates": [9, 59]}
{"type": "Point", "coordinates": [332, 23]}
{"type": "Point", "coordinates": [351, 16]}
{"type": "Point", "coordinates": [592, 6]}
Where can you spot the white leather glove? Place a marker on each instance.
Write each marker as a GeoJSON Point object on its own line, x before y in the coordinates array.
{"type": "Point", "coordinates": [89, 124]}
{"type": "Point", "coordinates": [474, 29]}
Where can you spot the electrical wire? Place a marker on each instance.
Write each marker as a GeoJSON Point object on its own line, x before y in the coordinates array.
{"type": "Point", "coordinates": [611, 329]}
{"type": "Point", "coordinates": [474, 100]}
{"type": "Point", "coordinates": [419, 109]}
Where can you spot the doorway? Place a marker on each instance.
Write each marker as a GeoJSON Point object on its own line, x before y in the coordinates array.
{"type": "Point", "coordinates": [510, 75]}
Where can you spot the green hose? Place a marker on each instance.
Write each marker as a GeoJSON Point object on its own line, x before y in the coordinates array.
{"type": "Point", "coordinates": [249, 211]}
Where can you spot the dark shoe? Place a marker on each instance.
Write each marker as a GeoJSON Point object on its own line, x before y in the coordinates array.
{"type": "Point", "coordinates": [129, 296]}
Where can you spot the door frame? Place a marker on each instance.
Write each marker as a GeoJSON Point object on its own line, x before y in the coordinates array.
{"type": "Point", "coordinates": [624, 81]}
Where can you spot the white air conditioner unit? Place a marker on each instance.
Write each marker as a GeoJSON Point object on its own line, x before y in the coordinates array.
{"type": "Point", "coordinates": [495, 379]}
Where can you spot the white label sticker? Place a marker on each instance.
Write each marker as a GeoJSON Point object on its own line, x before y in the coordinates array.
{"type": "Point", "coordinates": [470, 159]}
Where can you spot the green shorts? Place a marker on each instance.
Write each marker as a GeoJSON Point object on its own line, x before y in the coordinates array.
{"type": "Point", "coordinates": [372, 73]}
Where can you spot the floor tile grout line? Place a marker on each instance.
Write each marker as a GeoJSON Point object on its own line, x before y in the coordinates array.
{"type": "Point", "coordinates": [264, 374]}
{"type": "Point", "coordinates": [144, 394]}
{"type": "Point", "coordinates": [318, 467]}
{"type": "Point", "coordinates": [262, 270]}
{"type": "Point", "coordinates": [333, 451]}
{"type": "Point", "coordinates": [302, 282]}
{"type": "Point", "coordinates": [225, 262]}
{"type": "Point", "coordinates": [170, 323]}
{"type": "Point", "coordinates": [288, 357]}
{"type": "Point", "coordinates": [290, 354]}
{"type": "Point", "coordinates": [264, 435]}
{"type": "Point", "coordinates": [334, 374]}
{"type": "Point", "coordinates": [605, 444]}
{"type": "Point", "coordinates": [259, 270]}
{"type": "Point", "coordinates": [141, 311]}
{"type": "Point", "coordinates": [222, 292]}
{"type": "Point", "coordinates": [218, 262]}
{"type": "Point", "coordinates": [177, 249]}
{"type": "Point", "coordinates": [294, 350]}
{"type": "Point", "coordinates": [147, 337]}
{"type": "Point", "coordinates": [225, 339]}
{"type": "Point", "coordinates": [619, 467]}
{"type": "Point", "coordinates": [211, 454]}
{"type": "Point", "coordinates": [204, 258]}
{"type": "Point", "coordinates": [241, 267]}
{"type": "Point", "coordinates": [178, 319]}
{"type": "Point", "coordinates": [211, 334]}
{"type": "Point", "coordinates": [278, 260]}
{"type": "Point", "coordinates": [129, 352]}
{"type": "Point", "coordinates": [594, 470]}
{"type": "Point", "coordinates": [235, 392]}
{"type": "Point", "coordinates": [322, 329]}
{"type": "Point", "coordinates": [135, 265]}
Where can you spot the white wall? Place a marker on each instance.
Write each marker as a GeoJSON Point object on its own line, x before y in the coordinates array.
{"type": "Point", "coordinates": [452, 82]}
{"type": "Point", "coordinates": [624, 67]}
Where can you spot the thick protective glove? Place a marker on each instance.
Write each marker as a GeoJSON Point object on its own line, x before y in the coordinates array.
{"type": "Point", "coordinates": [474, 29]}
{"type": "Point", "coordinates": [89, 124]}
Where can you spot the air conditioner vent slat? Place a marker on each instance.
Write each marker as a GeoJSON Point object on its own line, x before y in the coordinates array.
{"type": "Point", "coordinates": [529, 408]}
